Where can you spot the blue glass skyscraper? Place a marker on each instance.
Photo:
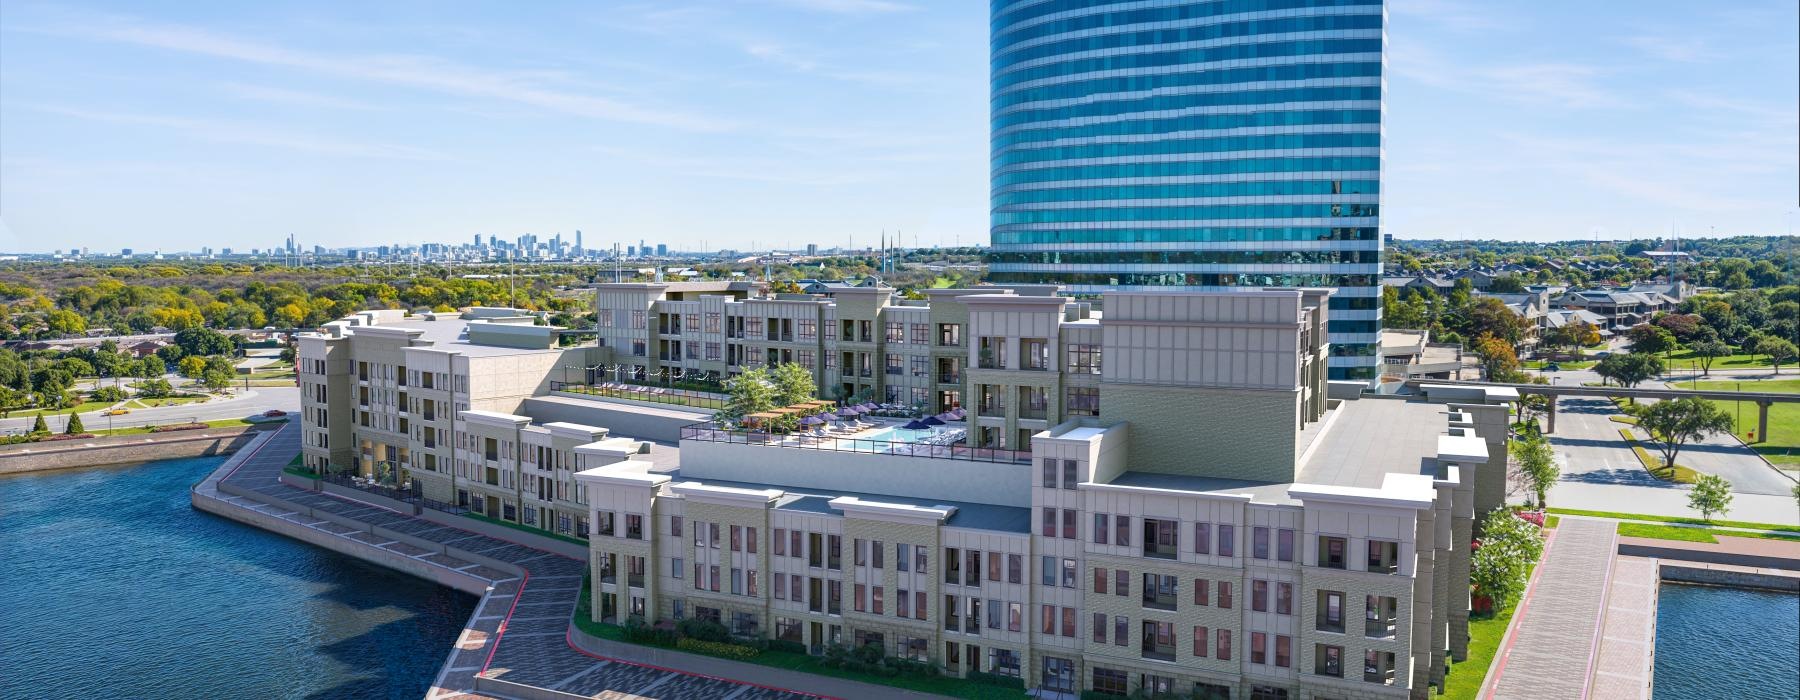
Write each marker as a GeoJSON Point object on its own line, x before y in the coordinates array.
{"type": "Point", "coordinates": [1200, 145]}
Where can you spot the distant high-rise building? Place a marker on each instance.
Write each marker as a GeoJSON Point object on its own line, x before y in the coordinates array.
{"type": "Point", "coordinates": [643, 248]}
{"type": "Point", "coordinates": [662, 249]}
{"type": "Point", "coordinates": [812, 249]}
{"type": "Point", "coordinates": [1205, 146]}
{"type": "Point", "coordinates": [125, 252]}
{"type": "Point", "coordinates": [478, 240]}
{"type": "Point", "coordinates": [579, 251]}
{"type": "Point", "coordinates": [318, 251]}
{"type": "Point", "coordinates": [631, 251]}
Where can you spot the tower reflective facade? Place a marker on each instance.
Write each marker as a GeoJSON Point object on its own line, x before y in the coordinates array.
{"type": "Point", "coordinates": [1198, 145]}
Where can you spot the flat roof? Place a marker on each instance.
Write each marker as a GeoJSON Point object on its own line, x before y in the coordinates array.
{"type": "Point", "coordinates": [1258, 491]}
{"type": "Point", "coordinates": [452, 334]}
{"type": "Point", "coordinates": [974, 516]}
{"type": "Point", "coordinates": [1374, 436]}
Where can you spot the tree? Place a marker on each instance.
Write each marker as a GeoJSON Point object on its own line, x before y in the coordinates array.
{"type": "Point", "coordinates": [749, 392]}
{"type": "Point", "coordinates": [74, 427]}
{"type": "Point", "coordinates": [1706, 351]}
{"type": "Point", "coordinates": [1651, 339]}
{"type": "Point", "coordinates": [1779, 350]}
{"type": "Point", "coordinates": [192, 366]}
{"type": "Point", "coordinates": [66, 322]}
{"type": "Point", "coordinates": [1676, 422]}
{"type": "Point", "coordinates": [9, 400]}
{"type": "Point", "coordinates": [155, 389]}
{"type": "Point", "coordinates": [1491, 316]}
{"type": "Point", "coordinates": [39, 426]}
{"type": "Point", "coordinates": [1629, 369]}
{"type": "Point", "coordinates": [1573, 336]}
{"type": "Point", "coordinates": [1685, 327]}
{"type": "Point", "coordinates": [1498, 362]}
{"type": "Point", "coordinates": [1501, 567]}
{"type": "Point", "coordinates": [1710, 494]}
{"type": "Point", "coordinates": [203, 341]}
{"type": "Point", "coordinates": [1535, 463]}
{"type": "Point", "coordinates": [793, 384]}
{"type": "Point", "coordinates": [214, 379]}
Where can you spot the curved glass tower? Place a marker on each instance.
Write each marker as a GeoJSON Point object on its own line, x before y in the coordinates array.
{"type": "Point", "coordinates": [1198, 145]}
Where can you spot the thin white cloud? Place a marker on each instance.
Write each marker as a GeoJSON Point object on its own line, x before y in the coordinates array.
{"type": "Point", "coordinates": [847, 7]}
{"type": "Point", "coordinates": [422, 72]}
{"type": "Point", "coordinates": [251, 135]}
{"type": "Point", "coordinates": [297, 98]}
{"type": "Point", "coordinates": [1674, 48]}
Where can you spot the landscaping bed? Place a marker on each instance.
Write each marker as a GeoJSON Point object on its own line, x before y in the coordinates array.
{"type": "Point", "coordinates": [1677, 473]}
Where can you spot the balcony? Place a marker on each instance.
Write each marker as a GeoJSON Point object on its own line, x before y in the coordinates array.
{"type": "Point", "coordinates": [950, 378]}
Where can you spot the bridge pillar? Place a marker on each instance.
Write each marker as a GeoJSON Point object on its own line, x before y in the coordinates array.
{"type": "Point", "coordinates": [1552, 412]}
{"type": "Point", "coordinates": [1762, 421]}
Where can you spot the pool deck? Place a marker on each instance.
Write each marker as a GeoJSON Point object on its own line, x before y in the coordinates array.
{"type": "Point", "coordinates": [1586, 629]}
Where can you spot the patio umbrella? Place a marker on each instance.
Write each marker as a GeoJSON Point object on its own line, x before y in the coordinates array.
{"type": "Point", "coordinates": [847, 412]}
{"type": "Point", "coordinates": [810, 420]}
{"type": "Point", "coordinates": [915, 425]}
{"type": "Point", "coordinates": [869, 406]}
{"type": "Point", "coordinates": [932, 420]}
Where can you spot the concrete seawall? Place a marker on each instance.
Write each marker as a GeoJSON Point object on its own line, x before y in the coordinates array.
{"type": "Point", "coordinates": [122, 449]}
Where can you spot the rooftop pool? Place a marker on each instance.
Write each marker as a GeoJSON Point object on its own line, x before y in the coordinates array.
{"type": "Point", "coordinates": [1714, 642]}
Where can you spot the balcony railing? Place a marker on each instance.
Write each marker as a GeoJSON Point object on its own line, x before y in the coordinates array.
{"type": "Point", "coordinates": [951, 445]}
{"type": "Point", "coordinates": [638, 392]}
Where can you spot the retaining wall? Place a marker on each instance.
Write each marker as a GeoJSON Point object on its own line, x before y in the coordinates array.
{"type": "Point", "coordinates": [1727, 577]}
{"type": "Point", "coordinates": [122, 449]}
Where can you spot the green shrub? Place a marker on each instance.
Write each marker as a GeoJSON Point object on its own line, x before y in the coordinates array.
{"type": "Point", "coordinates": [996, 679]}
{"type": "Point", "coordinates": [637, 632]}
{"type": "Point", "coordinates": [703, 630]}
{"type": "Point", "coordinates": [1097, 695]}
{"type": "Point", "coordinates": [721, 649]}
{"type": "Point", "coordinates": [787, 646]}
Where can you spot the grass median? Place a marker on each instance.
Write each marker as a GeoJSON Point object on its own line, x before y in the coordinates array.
{"type": "Point", "coordinates": [1676, 519]}
{"type": "Point", "coordinates": [1694, 534]}
{"type": "Point", "coordinates": [1676, 473]}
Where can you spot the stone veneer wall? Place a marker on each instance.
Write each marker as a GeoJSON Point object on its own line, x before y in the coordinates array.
{"type": "Point", "coordinates": [121, 449]}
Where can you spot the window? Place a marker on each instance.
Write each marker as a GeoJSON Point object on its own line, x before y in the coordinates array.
{"type": "Point", "coordinates": [1109, 682]}
{"type": "Point", "coordinates": [1158, 641]}
{"type": "Point", "coordinates": [1069, 471]}
{"type": "Point", "coordinates": [1015, 568]}
{"type": "Point", "coordinates": [834, 547]}
{"type": "Point", "coordinates": [1121, 631]}
{"type": "Point", "coordinates": [676, 566]}
{"type": "Point", "coordinates": [1068, 622]}
{"type": "Point", "coordinates": [1284, 651]}
{"type": "Point", "coordinates": [1222, 650]}
{"type": "Point", "coordinates": [1202, 538]}
{"type": "Point", "coordinates": [1099, 580]}
{"type": "Point", "coordinates": [1047, 571]}
{"type": "Point", "coordinates": [893, 365]}
{"type": "Point", "coordinates": [780, 587]}
{"type": "Point", "coordinates": [1101, 526]}
{"type": "Point", "coordinates": [896, 332]}
{"type": "Point", "coordinates": [1048, 527]}
{"type": "Point", "coordinates": [1159, 592]}
{"type": "Point", "coordinates": [877, 555]}
{"type": "Point", "coordinates": [921, 334]}
{"type": "Point", "coordinates": [1259, 542]}
{"type": "Point", "coordinates": [1378, 667]}
{"type": "Point", "coordinates": [950, 334]}
{"type": "Point", "coordinates": [1122, 530]}
{"type": "Point", "coordinates": [712, 322]}
{"type": "Point", "coordinates": [1284, 544]}
{"type": "Point", "coordinates": [1378, 616]}
{"type": "Point", "coordinates": [903, 603]}
{"type": "Point", "coordinates": [1084, 358]}
{"type": "Point", "coordinates": [1259, 642]}
{"type": "Point", "coordinates": [1202, 588]}
{"type": "Point", "coordinates": [1081, 401]}
{"type": "Point", "coordinates": [1331, 612]}
{"type": "Point", "coordinates": [780, 542]}
{"type": "Point", "coordinates": [875, 601]}
{"type": "Point", "coordinates": [807, 329]}
{"type": "Point", "coordinates": [972, 568]}
{"type": "Point", "coordinates": [1003, 662]}
{"type": "Point", "coordinates": [1227, 540]}
{"type": "Point", "coordinates": [1068, 573]}
{"type": "Point", "coordinates": [993, 567]}
{"type": "Point", "coordinates": [1328, 660]}
{"type": "Point", "coordinates": [1015, 617]}
{"type": "Point", "coordinates": [1225, 594]}
{"type": "Point", "coordinates": [638, 320]}
{"type": "Point", "coordinates": [1159, 538]}
{"type": "Point", "coordinates": [1284, 598]}
{"type": "Point", "coordinates": [1099, 628]}
{"type": "Point", "coordinates": [1384, 557]}
{"type": "Point", "coordinates": [737, 538]}
{"type": "Point", "coordinates": [902, 556]}
{"type": "Point", "coordinates": [1048, 479]}
{"type": "Point", "coordinates": [1070, 530]}
{"type": "Point", "coordinates": [1259, 595]}
{"type": "Point", "coordinates": [1331, 552]}
{"type": "Point", "coordinates": [952, 565]}
{"type": "Point", "coordinates": [1200, 634]}
{"type": "Point", "coordinates": [675, 523]}
{"type": "Point", "coordinates": [1121, 583]}
{"type": "Point", "coordinates": [794, 548]}
{"type": "Point", "coordinates": [1047, 619]}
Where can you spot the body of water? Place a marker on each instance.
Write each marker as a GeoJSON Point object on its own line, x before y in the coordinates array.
{"type": "Point", "coordinates": [113, 586]}
{"type": "Point", "coordinates": [1716, 642]}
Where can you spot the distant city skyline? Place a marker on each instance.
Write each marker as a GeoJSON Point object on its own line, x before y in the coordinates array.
{"type": "Point", "coordinates": [796, 122]}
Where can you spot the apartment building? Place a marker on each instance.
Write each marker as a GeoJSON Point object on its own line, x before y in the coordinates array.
{"type": "Point", "coordinates": [860, 342]}
{"type": "Point", "coordinates": [1191, 507]}
{"type": "Point", "coordinates": [433, 397]}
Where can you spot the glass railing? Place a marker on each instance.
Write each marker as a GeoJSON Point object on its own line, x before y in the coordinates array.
{"type": "Point", "coordinates": [946, 444]}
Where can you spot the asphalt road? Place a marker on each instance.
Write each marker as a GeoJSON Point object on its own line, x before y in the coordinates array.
{"type": "Point", "coordinates": [241, 404]}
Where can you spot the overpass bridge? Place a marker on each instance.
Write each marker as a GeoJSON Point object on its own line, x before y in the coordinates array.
{"type": "Point", "coordinates": [1762, 399]}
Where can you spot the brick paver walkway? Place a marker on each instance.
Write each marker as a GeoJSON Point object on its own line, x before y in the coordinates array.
{"type": "Point", "coordinates": [1628, 645]}
{"type": "Point", "coordinates": [1555, 641]}
{"type": "Point", "coordinates": [518, 633]}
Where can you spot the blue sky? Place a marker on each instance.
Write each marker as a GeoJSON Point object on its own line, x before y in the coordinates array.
{"type": "Point", "coordinates": [740, 123]}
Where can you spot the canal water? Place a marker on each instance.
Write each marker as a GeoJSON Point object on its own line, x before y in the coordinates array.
{"type": "Point", "coordinates": [1714, 642]}
{"type": "Point", "coordinates": [111, 585]}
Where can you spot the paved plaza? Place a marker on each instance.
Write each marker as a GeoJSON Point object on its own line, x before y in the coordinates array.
{"type": "Point", "coordinates": [519, 631]}
{"type": "Point", "coordinates": [1556, 633]}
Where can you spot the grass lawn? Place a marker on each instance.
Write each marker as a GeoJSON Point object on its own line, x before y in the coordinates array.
{"type": "Point", "coordinates": [1564, 364]}
{"type": "Point", "coordinates": [1653, 462]}
{"type": "Point", "coordinates": [145, 429]}
{"type": "Point", "coordinates": [1675, 519]}
{"type": "Point", "coordinates": [1685, 360]}
{"type": "Point", "coordinates": [1693, 534]}
{"type": "Point", "coordinates": [167, 401]}
{"type": "Point", "coordinates": [1463, 679]}
{"type": "Point", "coordinates": [1551, 521]}
{"type": "Point", "coordinates": [1628, 420]}
{"type": "Point", "coordinates": [1783, 447]}
{"type": "Point", "coordinates": [527, 528]}
{"type": "Point", "coordinates": [953, 687]}
{"type": "Point", "coordinates": [82, 406]}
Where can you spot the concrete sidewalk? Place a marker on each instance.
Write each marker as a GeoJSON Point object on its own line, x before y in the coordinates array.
{"type": "Point", "coordinates": [1550, 653]}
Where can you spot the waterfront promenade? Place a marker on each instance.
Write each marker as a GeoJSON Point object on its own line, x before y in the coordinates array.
{"type": "Point", "coordinates": [519, 640]}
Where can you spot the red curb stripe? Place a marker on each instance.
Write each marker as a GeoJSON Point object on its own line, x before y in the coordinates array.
{"type": "Point", "coordinates": [500, 632]}
{"type": "Point", "coordinates": [568, 636]}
